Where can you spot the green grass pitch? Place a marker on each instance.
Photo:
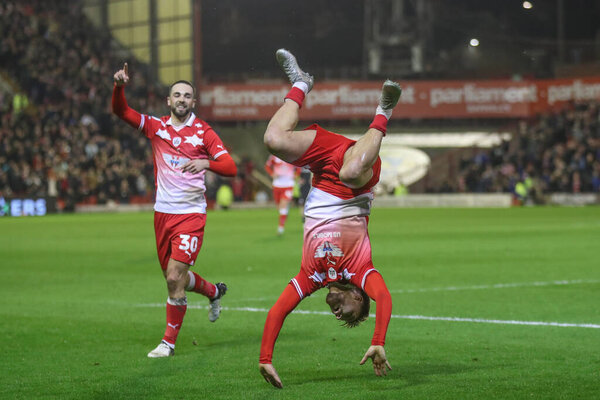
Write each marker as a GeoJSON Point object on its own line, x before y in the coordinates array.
{"type": "Point", "coordinates": [83, 302]}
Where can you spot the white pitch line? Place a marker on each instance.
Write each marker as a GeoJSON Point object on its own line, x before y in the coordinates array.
{"type": "Point", "coordinates": [459, 288]}
{"type": "Point", "coordinates": [499, 321]}
{"type": "Point", "coordinates": [496, 286]}
{"type": "Point", "coordinates": [418, 317]}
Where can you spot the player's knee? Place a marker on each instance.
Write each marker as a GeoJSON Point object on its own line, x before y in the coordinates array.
{"type": "Point", "coordinates": [350, 174]}
{"type": "Point", "coordinates": [355, 175]}
{"type": "Point", "coordinates": [173, 281]}
{"type": "Point", "coordinates": [273, 139]}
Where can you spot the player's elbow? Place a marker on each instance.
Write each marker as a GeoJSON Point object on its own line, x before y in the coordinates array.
{"type": "Point", "coordinates": [231, 171]}
{"type": "Point", "coordinates": [116, 110]}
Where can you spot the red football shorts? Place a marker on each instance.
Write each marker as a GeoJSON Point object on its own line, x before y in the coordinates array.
{"type": "Point", "coordinates": [178, 236]}
{"type": "Point", "coordinates": [283, 193]}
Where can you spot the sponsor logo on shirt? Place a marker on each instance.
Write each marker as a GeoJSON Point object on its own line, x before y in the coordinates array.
{"type": "Point", "coordinates": [174, 162]}
{"type": "Point", "coordinates": [323, 235]}
{"type": "Point", "coordinates": [328, 251]}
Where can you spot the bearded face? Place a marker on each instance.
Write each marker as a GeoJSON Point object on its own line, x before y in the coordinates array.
{"type": "Point", "coordinates": [181, 110]}
{"type": "Point", "coordinates": [181, 101]}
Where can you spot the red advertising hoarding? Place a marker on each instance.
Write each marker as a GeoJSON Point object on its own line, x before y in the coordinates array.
{"type": "Point", "coordinates": [420, 99]}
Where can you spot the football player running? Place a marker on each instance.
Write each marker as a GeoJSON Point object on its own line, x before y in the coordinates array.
{"type": "Point", "coordinates": [184, 147]}
{"type": "Point", "coordinates": [284, 176]}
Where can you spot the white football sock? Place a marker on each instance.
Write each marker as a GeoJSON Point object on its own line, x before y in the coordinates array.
{"type": "Point", "coordinates": [302, 86]}
{"type": "Point", "coordinates": [385, 113]}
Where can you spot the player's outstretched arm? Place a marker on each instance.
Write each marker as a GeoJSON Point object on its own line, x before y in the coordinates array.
{"type": "Point", "coordinates": [268, 372]}
{"type": "Point", "coordinates": [380, 362]}
{"type": "Point", "coordinates": [119, 103]}
{"type": "Point", "coordinates": [377, 290]}
{"type": "Point", "coordinates": [288, 300]}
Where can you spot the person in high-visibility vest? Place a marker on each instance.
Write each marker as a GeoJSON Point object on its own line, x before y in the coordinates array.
{"type": "Point", "coordinates": [20, 103]}
{"type": "Point", "coordinates": [224, 196]}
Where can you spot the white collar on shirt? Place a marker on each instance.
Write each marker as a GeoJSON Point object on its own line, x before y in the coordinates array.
{"type": "Point", "coordinates": [189, 122]}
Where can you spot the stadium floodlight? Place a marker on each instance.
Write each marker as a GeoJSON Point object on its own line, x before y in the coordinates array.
{"type": "Point", "coordinates": [527, 5]}
{"type": "Point", "coordinates": [474, 42]}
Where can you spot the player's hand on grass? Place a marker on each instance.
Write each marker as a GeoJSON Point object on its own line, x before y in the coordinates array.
{"type": "Point", "coordinates": [268, 372]}
{"type": "Point", "coordinates": [195, 166]}
{"type": "Point", "coordinates": [380, 362]}
{"type": "Point", "coordinates": [122, 76]}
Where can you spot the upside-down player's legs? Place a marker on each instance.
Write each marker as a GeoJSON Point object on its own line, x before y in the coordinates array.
{"type": "Point", "coordinates": [356, 170]}
{"type": "Point", "coordinates": [280, 137]}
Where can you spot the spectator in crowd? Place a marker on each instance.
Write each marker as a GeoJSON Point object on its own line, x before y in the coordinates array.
{"type": "Point", "coordinates": [64, 144]}
{"type": "Point", "coordinates": [556, 152]}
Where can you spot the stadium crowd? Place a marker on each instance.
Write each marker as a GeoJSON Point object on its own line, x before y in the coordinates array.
{"type": "Point", "coordinates": [555, 152]}
{"type": "Point", "coordinates": [58, 138]}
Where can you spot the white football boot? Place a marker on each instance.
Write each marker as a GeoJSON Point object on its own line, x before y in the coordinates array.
{"type": "Point", "coordinates": [162, 350]}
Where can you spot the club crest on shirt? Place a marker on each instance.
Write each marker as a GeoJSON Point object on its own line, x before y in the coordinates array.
{"type": "Point", "coordinates": [174, 162]}
{"type": "Point", "coordinates": [163, 134]}
{"type": "Point", "coordinates": [331, 273]}
{"type": "Point", "coordinates": [176, 141]}
{"type": "Point", "coordinates": [328, 251]}
{"type": "Point", "coordinates": [194, 140]}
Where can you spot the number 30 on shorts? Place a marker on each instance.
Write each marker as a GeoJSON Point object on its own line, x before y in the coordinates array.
{"type": "Point", "coordinates": [187, 244]}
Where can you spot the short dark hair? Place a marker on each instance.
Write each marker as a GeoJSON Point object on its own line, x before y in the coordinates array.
{"type": "Point", "coordinates": [183, 81]}
{"type": "Point", "coordinates": [364, 308]}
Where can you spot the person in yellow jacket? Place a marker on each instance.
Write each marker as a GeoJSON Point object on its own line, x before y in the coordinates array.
{"type": "Point", "coordinates": [20, 103]}
{"type": "Point", "coordinates": [224, 196]}
{"type": "Point", "coordinates": [521, 192]}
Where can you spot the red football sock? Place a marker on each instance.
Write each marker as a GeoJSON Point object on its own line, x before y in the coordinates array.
{"type": "Point", "coordinates": [296, 95]}
{"type": "Point", "coordinates": [380, 123]}
{"type": "Point", "coordinates": [282, 218]}
{"type": "Point", "coordinates": [175, 316]}
{"type": "Point", "coordinates": [200, 285]}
